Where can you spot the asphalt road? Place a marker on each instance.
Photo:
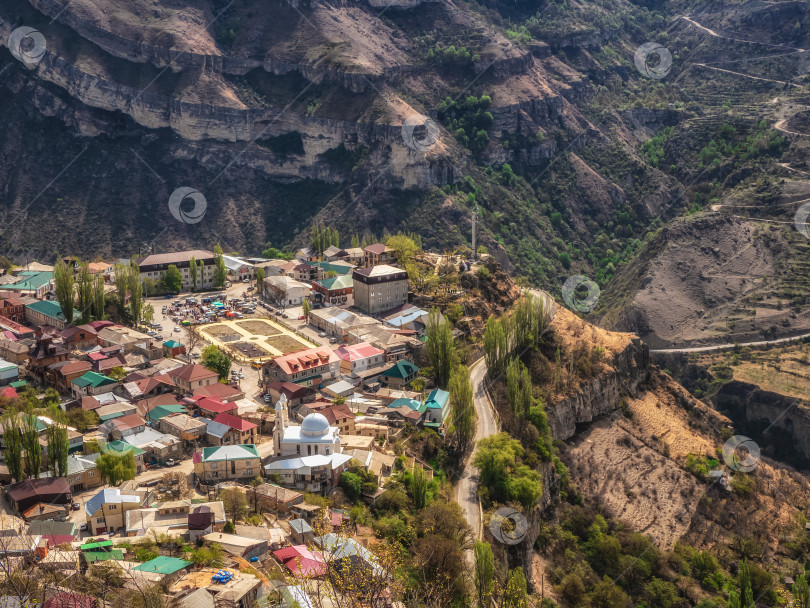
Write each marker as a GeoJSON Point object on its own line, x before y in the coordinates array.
{"type": "Point", "coordinates": [487, 425]}
{"type": "Point", "coordinates": [467, 487]}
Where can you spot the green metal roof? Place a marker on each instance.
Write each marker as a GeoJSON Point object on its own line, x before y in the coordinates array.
{"type": "Point", "coordinates": [172, 344]}
{"type": "Point", "coordinates": [103, 556]}
{"type": "Point", "coordinates": [31, 281]}
{"type": "Point", "coordinates": [401, 369]}
{"type": "Point", "coordinates": [93, 379]}
{"type": "Point", "coordinates": [19, 383]}
{"type": "Point", "coordinates": [122, 447]}
{"type": "Point", "coordinates": [161, 411]}
{"type": "Point", "coordinates": [437, 398]}
{"type": "Point", "coordinates": [163, 565]}
{"type": "Point", "coordinates": [342, 281]}
{"type": "Point", "coordinates": [230, 452]}
{"type": "Point", "coordinates": [98, 545]}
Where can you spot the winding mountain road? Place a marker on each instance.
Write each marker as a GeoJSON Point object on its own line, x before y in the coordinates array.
{"type": "Point", "coordinates": [487, 425]}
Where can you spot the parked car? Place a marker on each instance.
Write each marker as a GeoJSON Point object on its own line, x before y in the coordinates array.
{"type": "Point", "coordinates": [241, 376]}
{"type": "Point", "coordinates": [75, 506]}
{"type": "Point", "coordinates": [322, 334]}
{"type": "Point", "coordinates": [332, 340]}
{"type": "Point", "coordinates": [302, 318]}
{"type": "Point", "coordinates": [177, 329]}
{"type": "Point", "coordinates": [267, 398]}
{"type": "Point", "coordinates": [171, 462]}
{"type": "Point", "coordinates": [83, 527]}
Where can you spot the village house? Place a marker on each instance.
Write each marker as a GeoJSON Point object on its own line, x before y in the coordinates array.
{"type": "Point", "coordinates": [82, 473]}
{"type": "Point", "coordinates": [220, 392]}
{"type": "Point", "coordinates": [189, 378]}
{"type": "Point", "coordinates": [189, 430]}
{"type": "Point", "coordinates": [277, 499]}
{"type": "Point", "coordinates": [79, 336]}
{"type": "Point", "coordinates": [305, 273]}
{"type": "Point", "coordinates": [379, 288]}
{"type": "Point", "coordinates": [240, 431]}
{"type": "Point", "coordinates": [92, 383]}
{"type": "Point", "coordinates": [378, 254]}
{"type": "Point", "coordinates": [13, 351]}
{"type": "Point", "coordinates": [335, 291]}
{"type": "Point", "coordinates": [44, 353]}
{"type": "Point", "coordinates": [159, 447]}
{"type": "Point", "coordinates": [61, 375]}
{"type": "Point", "coordinates": [106, 511]}
{"type": "Point", "coordinates": [125, 425]}
{"type": "Point", "coordinates": [13, 309]}
{"type": "Point", "coordinates": [310, 367]}
{"type": "Point", "coordinates": [332, 253]}
{"type": "Point", "coordinates": [284, 291]}
{"type": "Point", "coordinates": [399, 375]}
{"type": "Point", "coordinates": [295, 393]}
{"type": "Point", "coordinates": [210, 408]}
{"type": "Point", "coordinates": [340, 416]}
{"type": "Point", "coordinates": [356, 358]}
{"type": "Point", "coordinates": [118, 448]}
{"type": "Point", "coordinates": [223, 463]}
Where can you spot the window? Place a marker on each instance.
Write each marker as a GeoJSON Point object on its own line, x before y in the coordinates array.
{"type": "Point", "coordinates": [99, 520]}
{"type": "Point", "coordinates": [213, 465]}
{"type": "Point", "coordinates": [112, 507]}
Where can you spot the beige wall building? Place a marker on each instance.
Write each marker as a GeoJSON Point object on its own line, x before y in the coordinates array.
{"type": "Point", "coordinates": [227, 462]}
{"type": "Point", "coordinates": [106, 511]}
{"type": "Point", "coordinates": [379, 288]}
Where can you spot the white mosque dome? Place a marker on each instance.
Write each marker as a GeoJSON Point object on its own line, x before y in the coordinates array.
{"type": "Point", "coordinates": [315, 425]}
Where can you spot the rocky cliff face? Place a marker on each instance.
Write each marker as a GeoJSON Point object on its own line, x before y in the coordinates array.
{"type": "Point", "coordinates": [780, 424]}
{"type": "Point", "coordinates": [601, 395]}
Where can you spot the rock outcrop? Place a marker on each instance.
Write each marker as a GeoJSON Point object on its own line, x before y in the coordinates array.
{"type": "Point", "coordinates": [601, 395]}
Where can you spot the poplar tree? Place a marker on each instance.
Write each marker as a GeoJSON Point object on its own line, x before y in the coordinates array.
{"type": "Point", "coordinates": [135, 292]}
{"type": "Point", "coordinates": [64, 282]}
{"type": "Point", "coordinates": [440, 346]}
{"type": "Point", "coordinates": [84, 290]}
{"type": "Point", "coordinates": [58, 447]}
{"type": "Point", "coordinates": [12, 440]}
{"type": "Point", "coordinates": [99, 297]}
{"type": "Point", "coordinates": [192, 268]}
{"type": "Point", "coordinates": [484, 573]}
{"type": "Point", "coordinates": [462, 409]}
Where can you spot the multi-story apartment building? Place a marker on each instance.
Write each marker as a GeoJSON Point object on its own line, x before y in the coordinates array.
{"type": "Point", "coordinates": [379, 288]}
{"type": "Point", "coordinates": [155, 266]}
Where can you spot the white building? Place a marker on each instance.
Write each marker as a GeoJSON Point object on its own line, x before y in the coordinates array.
{"type": "Point", "coordinates": [313, 437]}
{"type": "Point", "coordinates": [285, 291]}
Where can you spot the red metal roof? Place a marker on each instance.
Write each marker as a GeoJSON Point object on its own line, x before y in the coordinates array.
{"type": "Point", "coordinates": [300, 560]}
{"type": "Point", "coordinates": [235, 422]}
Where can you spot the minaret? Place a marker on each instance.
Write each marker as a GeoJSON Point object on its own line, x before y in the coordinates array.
{"type": "Point", "coordinates": [280, 424]}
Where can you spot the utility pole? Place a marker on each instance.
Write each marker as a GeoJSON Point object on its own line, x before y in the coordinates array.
{"type": "Point", "coordinates": [474, 233]}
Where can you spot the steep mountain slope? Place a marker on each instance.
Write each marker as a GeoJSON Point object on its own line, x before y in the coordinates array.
{"type": "Point", "coordinates": [573, 142]}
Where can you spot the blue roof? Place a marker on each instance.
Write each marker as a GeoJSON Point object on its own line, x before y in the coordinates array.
{"type": "Point", "coordinates": [217, 429]}
{"type": "Point", "coordinates": [300, 526]}
{"type": "Point", "coordinates": [437, 398]}
{"type": "Point", "coordinates": [408, 317]}
{"type": "Point", "coordinates": [108, 496]}
{"type": "Point", "coordinates": [411, 403]}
